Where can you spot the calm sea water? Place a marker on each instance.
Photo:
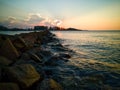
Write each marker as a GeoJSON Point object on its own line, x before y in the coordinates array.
{"type": "Point", "coordinates": [13, 32]}
{"type": "Point", "coordinates": [98, 46]}
{"type": "Point", "coordinates": [96, 53]}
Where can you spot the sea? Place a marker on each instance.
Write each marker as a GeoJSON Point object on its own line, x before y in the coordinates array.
{"type": "Point", "coordinates": [96, 56]}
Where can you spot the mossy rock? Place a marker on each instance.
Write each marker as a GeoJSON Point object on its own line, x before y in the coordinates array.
{"type": "Point", "coordinates": [8, 50]}
{"type": "Point", "coordinates": [25, 75]}
{"type": "Point", "coordinates": [49, 84]}
{"type": "Point", "coordinates": [9, 86]}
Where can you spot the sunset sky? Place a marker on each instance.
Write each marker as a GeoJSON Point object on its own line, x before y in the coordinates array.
{"type": "Point", "coordinates": [81, 14]}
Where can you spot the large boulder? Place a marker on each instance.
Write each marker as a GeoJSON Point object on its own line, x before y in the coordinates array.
{"type": "Point", "coordinates": [0, 73]}
{"type": "Point", "coordinates": [8, 50]}
{"type": "Point", "coordinates": [35, 58]}
{"type": "Point", "coordinates": [9, 86]}
{"type": "Point", "coordinates": [20, 44]}
{"type": "Point", "coordinates": [64, 55]}
{"type": "Point", "coordinates": [49, 84]}
{"type": "Point", "coordinates": [29, 38]}
{"type": "Point", "coordinates": [25, 74]}
{"type": "Point", "coordinates": [4, 61]}
{"type": "Point", "coordinates": [1, 40]}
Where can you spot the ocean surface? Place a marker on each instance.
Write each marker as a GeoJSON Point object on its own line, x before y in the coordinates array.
{"type": "Point", "coordinates": [13, 32]}
{"type": "Point", "coordinates": [100, 46]}
{"type": "Point", "coordinates": [95, 62]}
{"type": "Point", "coordinates": [97, 54]}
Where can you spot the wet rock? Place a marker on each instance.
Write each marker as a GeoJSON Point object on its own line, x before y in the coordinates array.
{"type": "Point", "coordinates": [71, 83]}
{"type": "Point", "coordinates": [49, 84]}
{"type": "Point", "coordinates": [35, 57]}
{"type": "Point", "coordinates": [53, 61]}
{"type": "Point", "coordinates": [64, 55]}
{"type": "Point", "coordinates": [8, 50]}
{"type": "Point", "coordinates": [36, 45]}
{"type": "Point", "coordinates": [24, 74]}
{"type": "Point", "coordinates": [25, 56]}
{"type": "Point", "coordinates": [60, 49]}
{"type": "Point", "coordinates": [9, 86]}
{"type": "Point", "coordinates": [46, 53]}
{"type": "Point", "coordinates": [56, 44]}
{"type": "Point", "coordinates": [4, 61]}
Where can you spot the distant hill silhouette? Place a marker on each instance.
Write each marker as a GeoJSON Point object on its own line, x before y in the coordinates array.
{"type": "Point", "coordinates": [73, 29]}
{"type": "Point", "coordinates": [3, 28]}
{"type": "Point", "coordinates": [55, 28]}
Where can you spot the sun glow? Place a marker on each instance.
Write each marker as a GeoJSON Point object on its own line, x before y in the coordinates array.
{"type": "Point", "coordinates": [81, 14]}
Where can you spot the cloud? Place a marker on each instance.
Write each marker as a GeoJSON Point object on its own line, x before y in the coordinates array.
{"type": "Point", "coordinates": [57, 22]}
{"type": "Point", "coordinates": [9, 21]}
{"type": "Point", "coordinates": [34, 19]}
{"type": "Point", "coordinates": [30, 21]}
{"type": "Point", "coordinates": [52, 22]}
{"type": "Point", "coordinates": [13, 22]}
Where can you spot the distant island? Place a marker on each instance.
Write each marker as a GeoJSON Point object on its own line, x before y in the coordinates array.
{"type": "Point", "coordinates": [37, 28]}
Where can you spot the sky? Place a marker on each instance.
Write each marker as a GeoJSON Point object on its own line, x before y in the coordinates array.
{"type": "Point", "coordinates": [80, 14]}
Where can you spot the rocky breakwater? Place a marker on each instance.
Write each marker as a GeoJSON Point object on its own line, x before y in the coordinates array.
{"type": "Point", "coordinates": [24, 59]}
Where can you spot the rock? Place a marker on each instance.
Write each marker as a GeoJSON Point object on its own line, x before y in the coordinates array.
{"type": "Point", "coordinates": [8, 50]}
{"type": "Point", "coordinates": [46, 53]}
{"type": "Point", "coordinates": [51, 62]}
{"type": "Point", "coordinates": [64, 55]}
{"type": "Point", "coordinates": [20, 44]}
{"type": "Point", "coordinates": [55, 60]}
{"type": "Point", "coordinates": [29, 38]}
{"type": "Point", "coordinates": [35, 57]}
{"type": "Point", "coordinates": [71, 83]}
{"type": "Point", "coordinates": [56, 44]}
{"type": "Point", "coordinates": [4, 61]}
{"type": "Point", "coordinates": [1, 40]}
{"type": "Point", "coordinates": [9, 86]}
{"type": "Point", "coordinates": [49, 84]}
{"type": "Point", "coordinates": [25, 56]}
{"type": "Point", "coordinates": [25, 74]}
{"type": "Point", "coordinates": [0, 73]}
{"type": "Point", "coordinates": [60, 49]}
